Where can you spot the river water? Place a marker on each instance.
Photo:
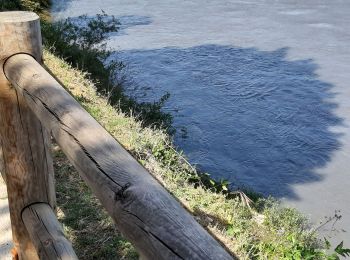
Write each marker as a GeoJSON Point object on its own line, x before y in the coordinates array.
{"type": "Point", "coordinates": [259, 90]}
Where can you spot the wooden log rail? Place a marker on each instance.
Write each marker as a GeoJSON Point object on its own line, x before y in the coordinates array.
{"type": "Point", "coordinates": [143, 211]}
{"type": "Point", "coordinates": [46, 233]}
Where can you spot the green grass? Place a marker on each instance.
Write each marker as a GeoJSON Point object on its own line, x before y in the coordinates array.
{"type": "Point", "coordinates": [86, 224]}
{"type": "Point", "coordinates": [77, 45]}
{"type": "Point", "coordinates": [264, 231]}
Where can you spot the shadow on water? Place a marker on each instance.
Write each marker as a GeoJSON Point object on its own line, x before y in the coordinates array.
{"type": "Point", "coordinates": [242, 114]}
{"type": "Point", "coordinates": [250, 116]}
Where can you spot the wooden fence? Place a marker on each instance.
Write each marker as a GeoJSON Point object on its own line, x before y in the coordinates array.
{"type": "Point", "coordinates": [33, 107]}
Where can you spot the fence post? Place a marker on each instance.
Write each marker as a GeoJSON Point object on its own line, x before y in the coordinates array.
{"type": "Point", "coordinates": [2, 170]}
{"type": "Point", "coordinates": [26, 146]}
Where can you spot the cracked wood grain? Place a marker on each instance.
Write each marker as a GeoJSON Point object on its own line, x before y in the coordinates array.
{"type": "Point", "coordinates": [25, 144]}
{"type": "Point", "coordinates": [2, 167]}
{"type": "Point", "coordinates": [157, 225]}
{"type": "Point", "coordinates": [46, 233]}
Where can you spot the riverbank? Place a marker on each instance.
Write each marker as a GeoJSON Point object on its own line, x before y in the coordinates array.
{"type": "Point", "coordinates": [263, 231]}
{"type": "Point", "coordinates": [259, 95]}
{"type": "Point", "coordinates": [243, 230]}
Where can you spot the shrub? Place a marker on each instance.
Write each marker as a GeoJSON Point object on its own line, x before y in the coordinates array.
{"type": "Point", "coordinates": [81, 42]}
{"type": "Point", "coordinates": [6, 5]}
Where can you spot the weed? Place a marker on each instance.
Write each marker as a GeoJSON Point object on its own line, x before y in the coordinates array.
{"type": "Point", "coordinates": [264, 231]}
{"type": "Point", "coordinates": [80, 42]}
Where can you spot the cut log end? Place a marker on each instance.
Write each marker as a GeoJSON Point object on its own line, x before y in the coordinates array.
{"type": "Point", "coordinates": [17, 17]}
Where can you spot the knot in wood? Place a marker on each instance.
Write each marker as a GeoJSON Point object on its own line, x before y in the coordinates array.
{"type": "Point", "coordinates": [48, 242]}
{"type": "Point", "coordinates": [120, 195]}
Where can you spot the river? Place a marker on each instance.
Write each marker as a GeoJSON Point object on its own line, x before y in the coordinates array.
{"type": "Point", "coordinates": [259, 90]}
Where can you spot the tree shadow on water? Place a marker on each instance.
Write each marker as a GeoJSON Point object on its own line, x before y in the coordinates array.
{"type": "Point", "coordinates": [251, 116]}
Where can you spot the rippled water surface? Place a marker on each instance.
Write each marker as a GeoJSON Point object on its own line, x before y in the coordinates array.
{"type": "Point", "coordinates": [259, 90]}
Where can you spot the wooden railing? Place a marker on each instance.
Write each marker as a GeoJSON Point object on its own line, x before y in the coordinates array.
{"type": "Point", "coordinates": [33, 107]}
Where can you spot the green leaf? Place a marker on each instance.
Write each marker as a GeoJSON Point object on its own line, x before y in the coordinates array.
{"type": "Point", "coordinates": [327, 243]}
{"type": "Point", "coordinates": [333, 257]}
{"type": "Point", "coordinates": [342, 251]}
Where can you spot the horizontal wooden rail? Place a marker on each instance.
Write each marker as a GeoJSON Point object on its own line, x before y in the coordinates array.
{"type": "Point", "coordinates": [46, 233]}
{"type": "Point", "coordinates": [156, 224]}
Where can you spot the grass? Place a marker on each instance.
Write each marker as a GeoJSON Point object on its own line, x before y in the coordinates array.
{"type": "Point", "coordinates": [267, 231]}
{"type": "Point", "coordinates": [86, 224]}
{"type": "Point", "coordinates": [264, 231]}
{"type": "Point", "coordinates": [83, 47]}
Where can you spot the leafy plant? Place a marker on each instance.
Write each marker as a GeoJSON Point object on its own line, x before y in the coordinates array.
{"type": "Point", "coordinates": [6, 5]}
{"type": "Point", "coordinates": [87, 32]}
{"type": "Point", "coordinates": [81, 41]}
{"type": "Point", "coordinates": [266, 231]}
{"type": "Point", "coordinates": [341, 250]}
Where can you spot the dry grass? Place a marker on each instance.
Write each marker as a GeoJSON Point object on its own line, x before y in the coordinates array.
{"type": "Point", "coordinates": [251, 233]}
{"type": "Point", "coordinates": [85, 222]}
{"type": "Point", "coordinates": [266, 231]}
